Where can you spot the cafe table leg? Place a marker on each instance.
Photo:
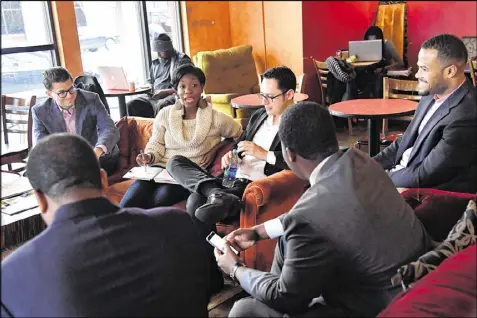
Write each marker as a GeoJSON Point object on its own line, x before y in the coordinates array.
{"type": "Point", "coordinates": [374, 127]}
{"type": "Point", "coordinates": [122, 106]}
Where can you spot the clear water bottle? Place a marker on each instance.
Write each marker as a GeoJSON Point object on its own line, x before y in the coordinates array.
{"type": "Point", "coordinates": [231, 171]}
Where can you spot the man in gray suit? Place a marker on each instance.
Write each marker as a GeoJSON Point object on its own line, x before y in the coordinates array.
{"type": "Point", "coordinates": [76, 111]}
{"type": "Point", "coordinates": [343, 240]}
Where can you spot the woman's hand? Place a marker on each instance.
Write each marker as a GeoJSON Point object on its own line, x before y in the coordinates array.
{"type": "Point", "coordinates": [143, 159]}
{"type": "Point", "coordinates": [208, 158]}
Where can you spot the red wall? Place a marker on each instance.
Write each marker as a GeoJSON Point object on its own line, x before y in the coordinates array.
{"type": "Point", "coordinates": [328, 25]}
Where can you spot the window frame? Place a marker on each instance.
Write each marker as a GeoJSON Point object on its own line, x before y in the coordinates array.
{"type": "Point", "coordinates": [53, 47]}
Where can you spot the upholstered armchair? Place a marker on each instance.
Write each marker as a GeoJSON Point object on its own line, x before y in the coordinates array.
{"type": "Point", "coordinates": [229, 73]}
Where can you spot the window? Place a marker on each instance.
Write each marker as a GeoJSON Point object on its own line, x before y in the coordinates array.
{"type": "Point", "coordinates": [27, 46]}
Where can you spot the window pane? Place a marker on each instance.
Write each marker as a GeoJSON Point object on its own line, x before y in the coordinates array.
{"type": "Point", "coordinates": [115, 43]}
{"type": "Point", "coordinates": [163, 17]}
{"type": "Point", "coordinates": [25, 23]}
{"type": "Point", "coordinates": [22, 72]}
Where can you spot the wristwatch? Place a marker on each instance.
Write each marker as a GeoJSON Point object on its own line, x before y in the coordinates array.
{"type": "Point", "coordinates": [234, 269]}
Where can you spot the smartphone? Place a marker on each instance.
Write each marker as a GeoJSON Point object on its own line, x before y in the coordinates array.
{"type": "Point", "coordinates": [218, 242]}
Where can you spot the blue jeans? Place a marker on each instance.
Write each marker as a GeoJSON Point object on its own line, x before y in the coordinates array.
{"type": "Point", "coordinates": [149, 194]}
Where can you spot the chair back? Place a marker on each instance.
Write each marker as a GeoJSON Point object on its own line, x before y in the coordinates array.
{"type": "Point", "coordinates": [473, 71]}
{"type": "Point", "coordinates": [14, 111]}
{"type": "Point", "coordinates": [400, 89]}
{"type": "Point", "coordinates": [322, 74]}
{"type": "Point", "coordinates": [300, 85]}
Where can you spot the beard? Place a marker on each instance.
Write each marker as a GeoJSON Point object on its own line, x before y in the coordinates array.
{"type": "Point", "coordinates": [437, 89]}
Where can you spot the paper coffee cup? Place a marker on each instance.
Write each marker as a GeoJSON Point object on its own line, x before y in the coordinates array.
{"type": "Point", "coordinates": [132, 86]}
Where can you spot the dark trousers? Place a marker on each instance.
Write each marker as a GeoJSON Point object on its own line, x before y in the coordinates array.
{"type": "Point", "coordinates": [149, 194]}
{"type": "Point", "coordinates": [192, 177]}
{"type": "Point", "coordinates": [148, 107]}
{"type": "Point", "coordinates": [109, 162]}
{"type": "Point", "coordinates": [251, 307]}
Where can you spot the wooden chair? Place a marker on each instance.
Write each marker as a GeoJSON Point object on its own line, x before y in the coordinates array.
{"type": "Point", "coordinates": [322, 74]}
{"type": "Point", "coordinates": [473, 71]}
{"type": "Point", "coordinates": [14, 111]}
{"type": "Point", "coordinates": [300, 85]}
{"type": "Point", "coordinates": [396, 89]}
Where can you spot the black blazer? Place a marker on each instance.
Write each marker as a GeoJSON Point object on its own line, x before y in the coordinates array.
{"type": "Point", "coordinates": [96, 259]}
{"type": "Point", "coordinates": [444, 154]}
{"type": "Point", "coordinates": [255, 122]}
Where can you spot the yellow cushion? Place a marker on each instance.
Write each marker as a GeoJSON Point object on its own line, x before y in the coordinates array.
{"type": "Point", "coordinates": [222, 98]}
{"type": "Point", "coordinates": [228, 71]}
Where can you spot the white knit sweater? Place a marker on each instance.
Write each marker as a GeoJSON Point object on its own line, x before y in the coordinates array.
{"type": "Point", "coordinates": [192, 138]}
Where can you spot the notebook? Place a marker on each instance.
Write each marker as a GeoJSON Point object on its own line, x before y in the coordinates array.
{"type": "Point", "coordinates": [113, 77]}
{"type": "Point", "coordinates": [151, 173]}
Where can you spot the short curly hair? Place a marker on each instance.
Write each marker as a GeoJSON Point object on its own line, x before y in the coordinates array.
{"type": "Point", "coordinates": [308, 129]}
{"type": "Point", "coordinates": [448, 47]}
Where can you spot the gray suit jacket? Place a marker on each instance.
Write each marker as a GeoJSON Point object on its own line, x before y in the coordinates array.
{"type": "Point", "coordinates": [92, 120]}
{"type": "Point", "coordinates": [444, 154]}
{"type": "Point", "coordinates": [345, 238]}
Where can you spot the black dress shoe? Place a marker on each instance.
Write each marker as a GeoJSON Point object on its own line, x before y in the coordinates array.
{"type": "Point", "coordinates": [219, 205]}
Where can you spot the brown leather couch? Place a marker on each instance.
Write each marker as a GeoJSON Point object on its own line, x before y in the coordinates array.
{"type": "Point", "coordinates": [264, 199]}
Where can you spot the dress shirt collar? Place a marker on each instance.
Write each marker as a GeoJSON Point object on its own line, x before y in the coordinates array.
{"type": "Point", "coordinates": [444, 98]}
{"type": "Point", "coordinates": [316, 171]}
{"type": "Point", "coordinates": [69, 110]}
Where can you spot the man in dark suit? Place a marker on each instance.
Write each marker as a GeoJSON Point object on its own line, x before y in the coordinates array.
{"type": "Point", "coordinates": [439, 148]}
{"type": "Point", "coordinates": [76, 111]}
{"type": "Point", "coordinates": [95, 259]}
{"type": "Point", "coordinates": [343, 240]}
{"type": "Point", "coordinates": [260, 150]}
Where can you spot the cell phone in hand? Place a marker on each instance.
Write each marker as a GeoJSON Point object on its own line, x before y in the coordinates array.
{"type": "Point", "coordinates": [218, 242]}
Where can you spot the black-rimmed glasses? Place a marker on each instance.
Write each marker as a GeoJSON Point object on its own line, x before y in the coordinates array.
{"type": "Point", "coordinates": [62, 94]}
{"type": "Point", "coordinates": [269, 99]}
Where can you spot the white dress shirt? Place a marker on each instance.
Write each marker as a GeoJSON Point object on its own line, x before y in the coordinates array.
{"type": "Point", "coordinates": [437, 103]}
{"type": "Point", "coordinates": [252, 168]}
{"type": "Point", "coordinates": [274, 227]}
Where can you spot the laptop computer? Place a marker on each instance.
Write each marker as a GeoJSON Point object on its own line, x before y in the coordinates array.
{"type": "Point", "coordinates": [113, 77]}
{"type": "Point", "coordinates": [366, 51]}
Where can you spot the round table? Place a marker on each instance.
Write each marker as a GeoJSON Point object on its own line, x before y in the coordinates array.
{"type": "Point", "coordinates": [374, 110]}
{"type": "Point", "coordinates": [121, 95]}
{"type": "Point", "coordinates": [254, 101]}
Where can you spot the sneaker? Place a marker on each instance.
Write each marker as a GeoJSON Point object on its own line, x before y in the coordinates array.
{"type": "Point", "coordinates": [219, 205]}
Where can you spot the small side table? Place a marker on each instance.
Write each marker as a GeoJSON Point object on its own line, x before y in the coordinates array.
{"type": "Point", "coordinates": [121, 95]}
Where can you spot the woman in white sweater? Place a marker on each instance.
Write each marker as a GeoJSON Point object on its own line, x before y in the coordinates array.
{"type": "Point", "coordinates": [190, 128]}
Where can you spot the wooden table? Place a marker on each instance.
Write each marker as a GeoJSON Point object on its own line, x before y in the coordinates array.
{"type": "Point", "coordinates": [374, 110]}
{"type": "Point", "coordinates": [121, 95]}
{"type": "Point", "coordinates": [254, 101]}
{"type": "Point", "coordinates": [362, 64]}
{"type": "Point", "coordinates": [20, 227]}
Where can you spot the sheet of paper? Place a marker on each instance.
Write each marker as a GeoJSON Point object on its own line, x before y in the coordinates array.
{"type": "Point", "coordinates": [164, 177]}
{"type": "Point", "coordinates": [14, 186]}
{"type": "Point", "coordinates": [143, 174]}
{"type": "Point", "coordinates": [19, 203]}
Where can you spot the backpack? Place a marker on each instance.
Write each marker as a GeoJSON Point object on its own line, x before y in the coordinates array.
{"type": "Point", "coordinates": [90, 83]}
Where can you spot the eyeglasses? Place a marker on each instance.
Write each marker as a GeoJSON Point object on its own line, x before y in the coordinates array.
{"type": "Point", "coordinates": [268, 99]}
{"type": "Point", "coordinates": [62, 94]}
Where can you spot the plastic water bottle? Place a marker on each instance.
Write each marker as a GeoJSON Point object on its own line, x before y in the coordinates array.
{"type": "Point", "coordinates": [231, 171]}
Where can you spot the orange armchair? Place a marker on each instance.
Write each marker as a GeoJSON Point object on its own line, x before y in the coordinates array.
{"type": "Point", "coordinates": [266, 199]}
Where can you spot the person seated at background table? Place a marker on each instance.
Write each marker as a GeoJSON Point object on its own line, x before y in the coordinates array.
{"type": "Point", "coordinates": [76, 111]}
{"type": "Point", "coordinates": [160, 77]}
{"type": "Point", "coordinates": [95, 259]}
{"type": "Point", "coordinates": [191, 128]}
{"type": "Point", "coordinates": [369, 79]}
{"type": "Point", "coordinates": [343, 240]}
{"type": "Point", "coordinates": [439, 147]}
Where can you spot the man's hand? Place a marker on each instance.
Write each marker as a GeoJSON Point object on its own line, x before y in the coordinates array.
{"type": "Point", "coordinates": [98, 151]}
{"type": "Point", "coordinates": [225, 161]}
{"type": "Point", "coordinates": [252, 149]}
{"type": "Point", "coordinates": [242, 239]}
{"type": "Point", "coordinates": [163, 93]}
{"type": "Point", "coordinates": [226, 260]}
{"type": "Point", "coordinates": [143, 159]}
